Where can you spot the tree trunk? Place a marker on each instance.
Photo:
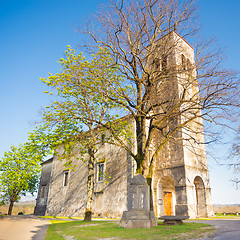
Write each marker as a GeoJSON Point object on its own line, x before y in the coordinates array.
{"type": "Point", "coordinates": [10, 207]}
{"type": "Point", "coordinates": [141, 140]}
{"type": "Point", "coordinates": [148, 174]}
{"type": "Point", "coordinates": [90, 186]}
{"type": "Point", "coordinates": [149, 181]}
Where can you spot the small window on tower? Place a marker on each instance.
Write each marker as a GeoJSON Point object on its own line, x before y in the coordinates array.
{"type": "Point", "coordinates": [65, 178]}
{"type": "Point", "coordinates": [184, 64]}
{"type": "Point", "coordinates": [189, 66]}
{"type": "Point", "coordinates": [164, 63]}
{"type": "Point", "coordinates": [156, 64]}
{"type": "Point", "coordinates": [103, 136]}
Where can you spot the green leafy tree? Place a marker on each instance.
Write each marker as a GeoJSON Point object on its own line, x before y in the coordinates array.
{"type": "Point", "coordinates": [77, 107]}
{"type": "Point", "coordinates": [19, 173]}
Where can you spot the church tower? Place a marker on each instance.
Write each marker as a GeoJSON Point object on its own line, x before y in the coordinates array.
{"type": "Point", "coordinates": [181, 179]}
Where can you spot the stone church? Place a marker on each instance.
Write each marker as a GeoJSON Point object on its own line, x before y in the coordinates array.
{"type": "Point", "coordinates": [180, 178]}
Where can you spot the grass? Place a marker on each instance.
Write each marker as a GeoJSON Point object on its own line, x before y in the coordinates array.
{"type": "Point", "coordinates": [61, 230]}
{"type": "Point", "coordinates": [59, 217]}
{"type": "Point", "coordinates": [73, 218]}
{"type": "Point", "coordinates": [226, 215]}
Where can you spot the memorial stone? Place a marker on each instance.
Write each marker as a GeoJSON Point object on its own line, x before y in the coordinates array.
{"type": "Point", "coordinates": [138, 214]}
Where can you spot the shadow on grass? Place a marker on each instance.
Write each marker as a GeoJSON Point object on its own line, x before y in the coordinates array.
{"type": "Point", "coordinates": [40, 233]}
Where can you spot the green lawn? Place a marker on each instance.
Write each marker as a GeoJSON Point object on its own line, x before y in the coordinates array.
{"type": "Point", "coordinates": [61, 230]}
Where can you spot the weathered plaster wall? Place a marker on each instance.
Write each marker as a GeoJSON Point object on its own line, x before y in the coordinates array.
{"type": "Point", "coordinates": [66, 200]}
{"type": "Point", "coordinates": [43, 189]}
{"type": "Point", "coordinates": [110, 194]}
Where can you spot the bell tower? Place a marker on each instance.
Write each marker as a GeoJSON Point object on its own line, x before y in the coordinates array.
{"type": "Point", "coordinates": [181, 179]}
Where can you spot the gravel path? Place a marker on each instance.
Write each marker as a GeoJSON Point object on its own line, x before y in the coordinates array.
{"type": "Point", "coordinates": [27, 227]}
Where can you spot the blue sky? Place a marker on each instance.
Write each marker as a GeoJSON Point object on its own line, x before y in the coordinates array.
{"type": "Point", "coordinates": [34, 35]}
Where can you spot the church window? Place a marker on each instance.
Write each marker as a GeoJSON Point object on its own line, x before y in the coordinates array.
{"type": "Point", "coordinates": [164, 63]}
{"type": "Point", "coordinates": [98, 201]}
{"type": "Point", "coordinates": [65, 178]}
{"type": "Point", "coordinates": [103, 137]}
{"type": "Point", "coordinates": [156, 64]}
{"type": "Point", "coordinates": [189, 66]}
{"type": "Point", "coordinates": [184, 64]}
{"type": "Point", "coordinates": [100, 171]}
{"type": "Point", "coordinates": [43, 191]}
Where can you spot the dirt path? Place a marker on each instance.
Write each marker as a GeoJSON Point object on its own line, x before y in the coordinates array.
{"type": "Point", "coordinates": [26, 227]}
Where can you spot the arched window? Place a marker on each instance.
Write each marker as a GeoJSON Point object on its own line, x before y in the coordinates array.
{"type": "Point", "coordinates": [201, 206]}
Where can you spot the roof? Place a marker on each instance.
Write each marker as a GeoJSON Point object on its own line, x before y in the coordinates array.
{"type": "Point", "coordinates": [177, 35]}
{"type": "Point", "coordinates": [184, 40]}
{"type": "Point", "coordinates": [47, 161]}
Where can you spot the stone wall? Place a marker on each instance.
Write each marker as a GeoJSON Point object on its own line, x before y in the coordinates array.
{"type": "Point", "coordinates": [110, 195]}
{"type": "Point", "coordinates": [43, 189]}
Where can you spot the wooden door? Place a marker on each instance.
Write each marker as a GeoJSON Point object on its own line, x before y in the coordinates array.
{"type": "Point", "coordinates": [168, 203]}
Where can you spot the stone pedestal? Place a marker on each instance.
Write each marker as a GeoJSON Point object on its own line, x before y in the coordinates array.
{"type": "Point", "coordinates": [138, 214]}
{"type": "Point", "coordinates": [173, 220]}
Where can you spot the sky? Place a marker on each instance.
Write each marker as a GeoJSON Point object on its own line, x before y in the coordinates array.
{"type": "Point", "coordinates": [33, 37]}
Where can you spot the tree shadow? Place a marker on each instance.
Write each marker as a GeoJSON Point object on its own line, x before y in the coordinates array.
{"type": "Point", "coordinates": [40, 233]}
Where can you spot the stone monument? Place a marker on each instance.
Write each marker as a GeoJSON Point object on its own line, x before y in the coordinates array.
{"type": "Point", "coordinates": [138, 214]}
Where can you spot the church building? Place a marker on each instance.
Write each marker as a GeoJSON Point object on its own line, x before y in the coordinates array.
{"type": "Point", "coordinates": [180, 183]}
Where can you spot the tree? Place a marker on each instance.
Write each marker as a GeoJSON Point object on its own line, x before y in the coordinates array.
{"type": "Point", "coordinates": [20, 171]}
{"type": "Point", "coordinates": [235, 156]}
{"type": "Point", "coordinates": [78, 108]}
{"type": "Point", "coordinates": [133, 32]}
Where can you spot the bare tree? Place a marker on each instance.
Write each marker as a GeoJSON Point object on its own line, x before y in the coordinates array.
{"type": "Point", "coordinates": [235, 158]}
{"type": "Point", "coordinates": [169, 91]}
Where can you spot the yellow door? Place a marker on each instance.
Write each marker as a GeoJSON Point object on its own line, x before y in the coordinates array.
{"type": "Point", "coordinates": [168, 203]}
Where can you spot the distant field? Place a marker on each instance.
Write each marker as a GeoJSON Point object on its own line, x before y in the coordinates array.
{"type": "Point", "coordinates": [27, 207]}
{"type": "Point", "coordinates": [228, 209]}
{"type": "Point", "coordinates": [24, 207]}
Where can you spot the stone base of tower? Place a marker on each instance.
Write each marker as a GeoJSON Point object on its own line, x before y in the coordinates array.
{"type": "Point", "coordinates": [181, 210]}
{"type": "Point", "coordinates": [210, 210]}
{"type": "Point", "coordinates": [138, 219]}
